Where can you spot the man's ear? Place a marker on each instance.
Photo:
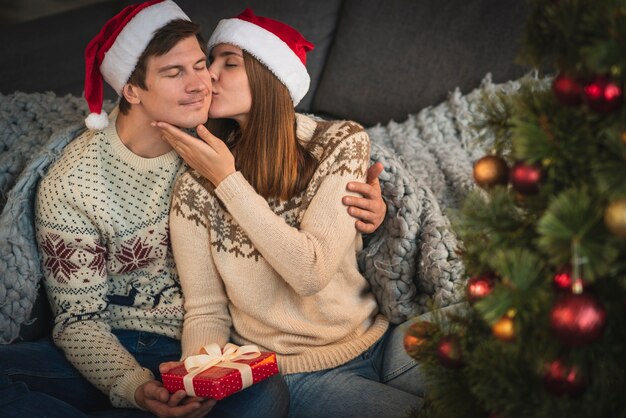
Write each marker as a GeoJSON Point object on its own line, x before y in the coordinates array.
{"type": "Point", "coordinates": [131, 93]}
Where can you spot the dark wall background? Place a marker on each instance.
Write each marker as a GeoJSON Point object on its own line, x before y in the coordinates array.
{"type": "Point", "coordinates": [17, 11]}
{"type": "Point", "coordinates": [373, 61]}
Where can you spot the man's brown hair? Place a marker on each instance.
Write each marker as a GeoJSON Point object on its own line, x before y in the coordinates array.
{"type": "Point", "coordinates": [162, 42]}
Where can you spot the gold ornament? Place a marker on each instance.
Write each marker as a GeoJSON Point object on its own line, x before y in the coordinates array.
{"type": "Point", "coordinates": [504, 329]}
{"type": "Point", "coordinates": [615, 217]}
{"type": "Point", "coordinates": [417, 334]}
{"type": "Point", "coordinates": [616, 71]}
{"type": "Point", "coordinates": [623, 138]}
{"type": "Point", "coordinates": [490, 171]}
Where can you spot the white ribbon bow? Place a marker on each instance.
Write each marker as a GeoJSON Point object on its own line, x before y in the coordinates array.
{"type": "Point", "coordinates": [222, 358]}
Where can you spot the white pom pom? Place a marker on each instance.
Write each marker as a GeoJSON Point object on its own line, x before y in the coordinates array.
{"type": "Point", "coordinates": [97, 122]}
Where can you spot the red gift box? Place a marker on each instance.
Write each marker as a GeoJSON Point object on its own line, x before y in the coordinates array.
{"type": "Point", "coordinates": [222, 379]}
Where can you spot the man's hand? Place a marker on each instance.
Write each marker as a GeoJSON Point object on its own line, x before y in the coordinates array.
{"type": "Point", "coordinates": [169, 365]}
{"type": "Point", "coordinates": [153, 397]}
{"type": "Point", "coordinates": [370, 209]}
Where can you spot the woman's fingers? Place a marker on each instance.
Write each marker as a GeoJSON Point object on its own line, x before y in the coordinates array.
{"type": "Point", "coordinates": [178, 139]}
{"type": "Point", "coordinates": [209, 156]}
{"type": "Point", "coordinates": [205, 134]}
{"type": "Point", "coordinates": [174, 136]}
{"type": "Point", "coordinates": [214, 142]}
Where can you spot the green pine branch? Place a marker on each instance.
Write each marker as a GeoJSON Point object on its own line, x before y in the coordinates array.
{"type": "Point", "coordinates": [525, 240]}
{"type": "Point", "coordinates": [575, 217]}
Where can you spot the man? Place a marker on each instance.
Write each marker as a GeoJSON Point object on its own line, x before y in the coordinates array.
{"type": "Point", "coordinates": [102, 213]}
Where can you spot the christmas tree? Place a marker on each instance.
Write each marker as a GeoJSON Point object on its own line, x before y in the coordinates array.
{"type": "Point", "coordinates": [543, 333]}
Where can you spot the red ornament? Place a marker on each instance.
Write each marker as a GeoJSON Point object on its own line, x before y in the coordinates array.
{"type": "Point", "coordinates": [603, 95]}
{"type": "Point", "coordinates": [577, 319]}
{"type": "Point", "coordinates": [564, 280]}
{"type": "Point", "coordinates": [480, 286]}
{"type": "Point", "coordinates": [561, 379]}
{"type": "Point", "coordinates": [525, 178]}
{"type": "Point", "coordinates": [567, 90]}
{"type": "Point", "coordinates": [449, 352]}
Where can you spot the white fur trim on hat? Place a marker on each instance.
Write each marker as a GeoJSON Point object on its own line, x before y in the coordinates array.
{"type": "Point", "coordinates": [120, 60]}
{"type": "Point", "coordinates": [97, 122]}
{"type": "Point", "coordinates": [269, 49]}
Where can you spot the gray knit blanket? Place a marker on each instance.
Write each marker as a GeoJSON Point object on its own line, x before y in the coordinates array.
{"type": "Point", "coordinates": [411, 261]}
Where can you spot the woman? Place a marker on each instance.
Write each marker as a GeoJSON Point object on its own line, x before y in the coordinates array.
{"type": "Point", "coordinates": [265, 250]}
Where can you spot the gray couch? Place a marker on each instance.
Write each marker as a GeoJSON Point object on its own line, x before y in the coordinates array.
{"type": "Point", "coordinates": [374, 61]}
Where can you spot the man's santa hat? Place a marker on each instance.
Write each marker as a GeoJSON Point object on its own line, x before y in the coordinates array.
{"type": "Point", "coordinates": [281, 48]}
{"type": "Point", "coordinates": [114, 52]}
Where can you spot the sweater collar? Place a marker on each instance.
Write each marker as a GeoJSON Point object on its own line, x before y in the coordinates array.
{"type": "Point", "coordinates": [305, 127]}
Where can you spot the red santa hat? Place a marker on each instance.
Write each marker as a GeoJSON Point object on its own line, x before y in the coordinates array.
{"type": "Point", "coordinates": [281, 48]}
{"type": "Point", "coordinates": [114, 52]}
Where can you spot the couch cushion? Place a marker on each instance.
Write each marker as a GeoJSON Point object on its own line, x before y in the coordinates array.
{"type": "Point", "coordinates": [395, 57]}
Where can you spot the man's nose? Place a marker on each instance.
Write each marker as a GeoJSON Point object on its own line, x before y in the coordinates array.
{"type": "Point", "coordinates": [199, 82]}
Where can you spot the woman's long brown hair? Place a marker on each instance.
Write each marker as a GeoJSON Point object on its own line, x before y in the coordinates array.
{"type": "Point", "coordinates": [266, 150]}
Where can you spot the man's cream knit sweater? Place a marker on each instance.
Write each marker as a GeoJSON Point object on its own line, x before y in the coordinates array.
{"type": "Point", "coordinates": [102, 227]}
{"type": "Point", "coordinates": [278, 274]}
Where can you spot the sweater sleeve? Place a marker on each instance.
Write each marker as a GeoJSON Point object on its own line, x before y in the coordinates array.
{"type": "Point", "coordinates": [207, 319]}
{"type": "Point", "coordinates": [75, 275]}
{"type": "Point", "coordinates": [307, 257]}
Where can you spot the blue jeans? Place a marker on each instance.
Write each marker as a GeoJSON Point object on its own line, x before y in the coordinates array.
{"type": "Point", "coordinates": [382, 382]}
{"type": "Point", "coordinates": [36, 380]}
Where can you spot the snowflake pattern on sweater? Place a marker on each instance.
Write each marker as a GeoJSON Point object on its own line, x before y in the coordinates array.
{"type": "Point", "coordinates": [228, 235]}
{"type": "Point", "coordinates": [278, 274]}
{"type": "Point", "coordinates": [102, 227]}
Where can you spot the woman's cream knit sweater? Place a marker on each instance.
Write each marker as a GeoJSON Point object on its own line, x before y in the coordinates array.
{"type": "Point", "coordinates": [279, 274]}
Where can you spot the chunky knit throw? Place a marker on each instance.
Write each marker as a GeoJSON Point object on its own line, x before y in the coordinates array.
{"type": "Point", "coordinates": [410, 261]}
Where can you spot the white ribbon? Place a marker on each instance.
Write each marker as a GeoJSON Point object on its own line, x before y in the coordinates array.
{"type": "Point", "coordinates": [222, 358]}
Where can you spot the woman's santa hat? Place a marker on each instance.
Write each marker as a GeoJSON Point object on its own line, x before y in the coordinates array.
{"type": "Point", "coordinates": [114, 52]}
{"type": "Point", "coordinates": [281, 48]}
